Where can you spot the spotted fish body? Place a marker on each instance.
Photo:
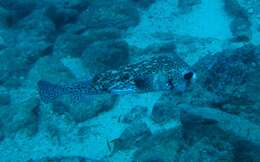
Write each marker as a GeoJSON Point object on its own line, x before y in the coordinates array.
{"type": "Point", "coordinates": [155, 74]}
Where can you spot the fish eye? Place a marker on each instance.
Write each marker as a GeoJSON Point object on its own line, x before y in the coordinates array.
{"type": "Point", "coordinates": [188, 75]}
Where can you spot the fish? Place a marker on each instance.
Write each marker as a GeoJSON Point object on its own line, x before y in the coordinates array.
{"type": "Point", "coordinates": [159, 73]}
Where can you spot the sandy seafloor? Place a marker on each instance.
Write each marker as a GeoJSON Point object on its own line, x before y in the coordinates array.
{"type": "Point", "coordinates": [207, 20]}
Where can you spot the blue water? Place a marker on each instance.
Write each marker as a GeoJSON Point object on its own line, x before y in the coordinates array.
{"type": "Point", "coordinates": [129, 81]}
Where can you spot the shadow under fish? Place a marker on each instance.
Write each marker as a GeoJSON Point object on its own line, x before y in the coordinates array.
{"type": "Point", "coordinates": [162, 73]}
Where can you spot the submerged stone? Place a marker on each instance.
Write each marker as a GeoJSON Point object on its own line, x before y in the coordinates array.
{"type": "Point", "coordinates": [165, 109]}
{"type": "Point", "coordinates": [204, 151]}
{"type": "Point", "coordinates": [135, 114]}
{"type": "Point", "coordinates": [105, 55]}
{"type": "Point", "coordinates": [186, 5]}
{"type": "Point", "coordinates": [61, 17]}
{"type": "Point", "coordinates": [87, 108]}
{"type": "Point", "coordinates": [5, 97]}
{"type": "Point", "coordinates": [22, 117]}
{"type": "Point", "coordinates": [115, 14]}
{"type": "Point", "coordinates": [133, 136]}
{"type": "Point", "coordinates": [240, 25]}
{"type": "Point", "coordinates": [17, 10]}
{"type": "Point", "coordinates": [70, 45]}
{"type": "Point", "coordinates": [144, 3]}
{"type": "Point", "coordinates": [229, 73]}
{"type": "Point", "coordinates": [162, 146]}
{"type": "Point", "coordinates": [66, 159]}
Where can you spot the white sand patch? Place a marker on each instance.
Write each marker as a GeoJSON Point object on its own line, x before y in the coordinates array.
{"type": "Point", "coordinates": [206, 20]}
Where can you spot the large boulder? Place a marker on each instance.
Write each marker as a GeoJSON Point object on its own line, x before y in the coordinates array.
{"type": "Point", "coordinates": [137, 113]}
{"type": "Point", "coordinates": [165, 109]}
{"type": "Point", "coordinates": [17, 10]}
{"type": "Point", "coordinates": [133, 136]}
{"type": "Point", "coordinates": [163, 146]}
{"type": "Point", "coordinates": [231, 74]}
{"type": "Point", "coordinates": [86, 108]}
{"type": "Point", "coordinates": [37, 24]}
{"type": "Point", "coordinates": [115, 13]}
{"type": "Point", "coordinates": [240, 25]}
{"type": "Point", "coordinates": [70, 45]}
{"type": "Point", "coordinates": [205, 151]}
{"type": "Point", "coordinates": [50, 69]}
{"type": "Point", "coordinates": [144, 3]}
{"type": "Point", "coordinates": [61, 16]}
{"type": "Point", "coordinates": [5, 97]}
{"type": "Point", "coordinates": [187, 5]}
{"type": "Point", "coordinates": [105, 55]}
{"type": "Point", "coordinates": [67, 4]}
{"type": "Point", "coordinates": [220, 129]}
{"type": "Point", "coordinates": [66, 159]}
{"type": "Point", "coordinates": [22, 117]}
{"type": "Point", "coordinates": [14, 65]}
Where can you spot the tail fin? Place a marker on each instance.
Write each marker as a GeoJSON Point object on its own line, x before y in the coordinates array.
{"type": "Point", "coordinates": [48, 91]}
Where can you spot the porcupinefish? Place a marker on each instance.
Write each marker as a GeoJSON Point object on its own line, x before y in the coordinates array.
{"type": "Point", "coordinates": [161, 73]}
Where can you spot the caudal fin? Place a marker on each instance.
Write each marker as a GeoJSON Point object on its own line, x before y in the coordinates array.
{"type": "Point", "coordinates": [48, 91]}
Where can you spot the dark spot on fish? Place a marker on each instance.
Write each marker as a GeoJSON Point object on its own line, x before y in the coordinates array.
{"type": "Point", "coordinates": [125, 76]}
{"type": "Point", "coordinates": [188, 75]}
{"type": "Point", "coordinates": [141, 82]}
{"type": "Point", "coordinates": [170, 83]}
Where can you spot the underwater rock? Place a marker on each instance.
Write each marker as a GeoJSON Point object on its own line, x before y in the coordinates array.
{"type": "Point", "coordinates": [233, 8]}
{"type": "Point", "coordinates": [17, 10]}
{"type": "Point", "coordinates": [20, 117]}
{"type": "Point", "coordinates": [2, 42]}
{"type": "Point", "coordinates": [103, 34]}
{"type": "Point", "coordinates": [4, 17]}
{"type": "Point", "coordinates": [5, 98]}
{"type": "Point", "coordinates": [162, 146]}
{"type": "Point", "coordinates": [244, 151]}
{"type": "Point", "coordinates": [37, 24]}
{"type": "Point", "coordinates": [199, 122]}
{"type": "Point", "coordinates": [15, 62]}
{"type": "Point", "coordinates": [165, 109]}
{"type": "Point", "coordinates": [73, 28]}
{"type": "Point", "coordinates": [68, 4]}
{"type": "Point", "coordinates": [110, 14]}
{"type": "Point", "coordinates": [135, 114]}
{"type": "Point", "coordinates": [162, 48]}
{"type": "Point", "coordinates": [186, 5]}
{"type": "Point", "coordinates": [88, 107]}
{"type": "Point", "coordinates": [66, 159]}
{"type": "Point", "coordinates": [204, 151]}
{"type": "Point", "coordinates": [105, 55]}
{"type": "Point", "coordinates": [55, 72]}
{"type": "Point", "coordinates": [144, 3]}
{"type": "Point", "coordinates": [224, 131]}
{"type": "Point", "coordinates": [70, 45]}
{"type": "Point", "coordinates": [240, 25]}
{"type": "Point", "coordinates": [228, 74]}
{"type": "Point", "coordinates": [61, 17]}
{"type": "Point", "coordinates": [133, 136]}
{"type": "Point", "coordinates": [13, 66]}
{"type": "Point", "coordinates": [240, 28]}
